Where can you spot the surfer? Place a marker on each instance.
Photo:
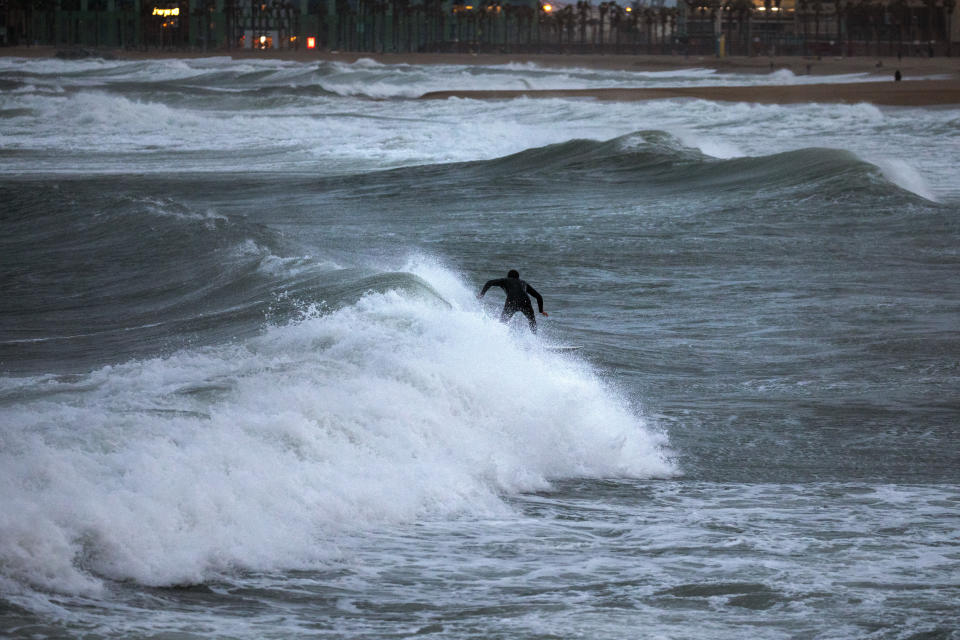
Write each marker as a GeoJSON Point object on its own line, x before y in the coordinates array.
{"type": "Point", "coordinates": [517, 291]}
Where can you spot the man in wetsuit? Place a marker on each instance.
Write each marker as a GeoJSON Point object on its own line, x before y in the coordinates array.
{"type": "Point", "coordinates": [517, 291]}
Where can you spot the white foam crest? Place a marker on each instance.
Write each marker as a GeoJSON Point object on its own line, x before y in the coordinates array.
{"type": "Point", "coordinates": [453, 131]}
{"type": "Point", "coordinates": [787, 76]}
{"type": "Point", "coordinates": [369, 78]}
{"type": "Point", "coordinates": [96, 121]}
{"type": "Point", "coordinates": [367, 63]}
{"type": "Point", "coordinates": [708, 145]}
{"type": "Point", "coordinates": [99, 71]}
{"type": "Point", "coordinates": [52, 66]}
{"type": "Point", "coordinates": [263, 455]}
{"type": "Point", "coordinates": [904, 175]}
{"type": "Point", "coordinates": [168, 209]}
{"type": "Point", "coordinates": [91, 119]}
{"type": "Point", "coordinates": [782, 76]}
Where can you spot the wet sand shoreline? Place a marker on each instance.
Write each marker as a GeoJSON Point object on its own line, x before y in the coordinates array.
{"type": "Point", "coordinates": [937, 83]}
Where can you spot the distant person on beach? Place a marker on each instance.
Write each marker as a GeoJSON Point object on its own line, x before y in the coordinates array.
{"type": "Point", "coordinates": [897, 76]}
{"type": "Point", "coordinates": [517, 298]}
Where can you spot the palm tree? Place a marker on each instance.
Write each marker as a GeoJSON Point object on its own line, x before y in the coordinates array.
{"type": "Point", "coordinates": [526, 15]}
{"type": "Point", "coordinates": [839, 11]}
{"type": "Point", "coordinates": [648, 19]}
{"type": "Point", "coordinates": [583, 16]}
{"type": "Point", "coordinates": [633, 22]}
{"type": "Point", "coordinates": [868, 18]}
{"type": "Point", "coordinates": [817, 10]}
{"type": "Point", "coordinates": [860, 23]}
{"type": "Point", "coordinates": [663, 14]}
{"type": "Point", "coordinates": [616, 19]}
{"type": "Point", "coordinates": [726, 20]}
{"type": "Point", "coordinates": [436, 19]}
{"type": "Point", "coordinates": [744, 11]}
{"type": "Point", "coordinates": [898, 10]}
{"type": "Point", "coordinates": [693, 7]}
{"type": "Point", "coordinates": [673, 14]}
{"type": "Point", "coordinates": [767, 10]}
{"type": "Point", "coordinates": [380, 25]}
{"type": "Point", "coordinates": [931, 6]}
{"type": "Point", "coordinates": [948, 6]}
{"type": "Point", "coordinates": [604, 8]}
{"type": "Point", "coordinates": [568, 20]}
{"type": "Point", "coordinates": [555, 20]}
{"type": "Point", "coordinates": [803, 7]}
{"type": "Point", "coordinates": [25, 16]}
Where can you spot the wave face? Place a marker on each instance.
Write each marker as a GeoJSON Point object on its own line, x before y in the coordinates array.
{"type": "Point", "coordinates": [660, 163]}
{"type": "Point", "coordinates": [132, 275]}
{"type": "Point", "coordinates": [194, 394]}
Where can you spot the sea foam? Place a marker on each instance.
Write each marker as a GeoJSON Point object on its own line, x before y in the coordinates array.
{"type": "Point", "coordinates": [906, 177]}
{"type": "Point", "coordinates": [262, 455]}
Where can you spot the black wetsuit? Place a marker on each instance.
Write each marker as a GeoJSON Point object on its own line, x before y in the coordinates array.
{"type": "Point", "coordinates": [517, 300]}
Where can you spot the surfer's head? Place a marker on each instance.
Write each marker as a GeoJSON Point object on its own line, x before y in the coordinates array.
{"type": "Point", "coordinates": [513, 273]}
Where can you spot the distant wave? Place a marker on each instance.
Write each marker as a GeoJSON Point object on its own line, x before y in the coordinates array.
{"type": "Point", "coordinates": [364, 77]}
{"type": "Point", "coordinates": [118, 116]}
{"type": "Point", "coordinates": [658, 160]}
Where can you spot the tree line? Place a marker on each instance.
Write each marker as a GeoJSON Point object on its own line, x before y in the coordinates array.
{"type": "Point", "coordinates": [748, 27]}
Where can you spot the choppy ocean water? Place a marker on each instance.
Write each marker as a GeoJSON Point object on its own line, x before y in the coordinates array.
{"type": "Point", "coordinates": [247, 390]}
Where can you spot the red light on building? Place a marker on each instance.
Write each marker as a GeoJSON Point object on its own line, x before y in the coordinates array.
{"type": "Point", "coordinates": [311, 42]}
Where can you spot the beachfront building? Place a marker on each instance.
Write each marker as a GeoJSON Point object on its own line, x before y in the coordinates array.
{"type": "Point", "coordinates": [820, 27]}
{"type": "Point", "coordinates": [716, 27]}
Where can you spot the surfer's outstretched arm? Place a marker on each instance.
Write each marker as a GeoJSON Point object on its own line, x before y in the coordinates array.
{"type": "Point", "coordinates": [498, 282]}
{"type": "Point", "coordinates": [539, 298]}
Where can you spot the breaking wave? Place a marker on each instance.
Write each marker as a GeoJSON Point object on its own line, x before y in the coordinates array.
{"type": "Point", "coordinates": [407, 403]}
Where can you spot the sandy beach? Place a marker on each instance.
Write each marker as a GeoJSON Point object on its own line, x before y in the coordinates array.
{"type": "Point", "coordinates": [926, 81]}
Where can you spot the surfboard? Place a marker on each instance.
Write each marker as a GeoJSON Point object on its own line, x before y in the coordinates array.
{"type": "Point", "coordinates": [559, 348]}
